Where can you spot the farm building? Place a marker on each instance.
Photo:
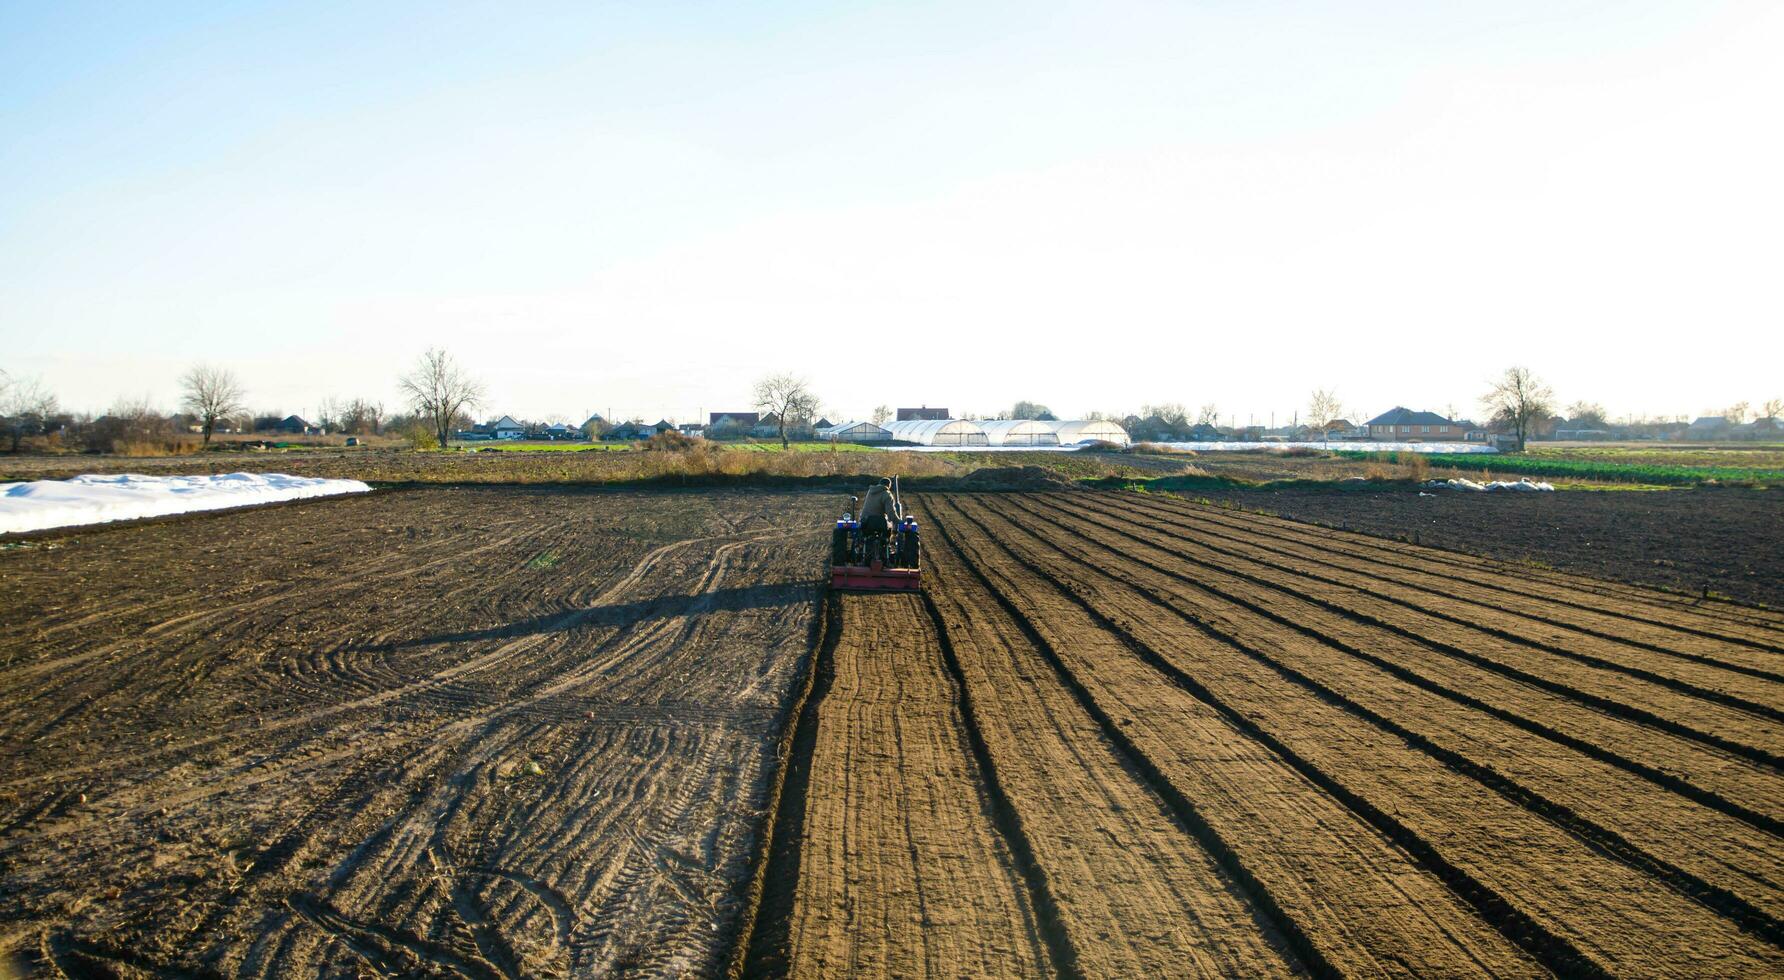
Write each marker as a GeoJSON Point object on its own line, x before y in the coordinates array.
{"type": "Point", "coordinates": [923, 414]}
{"type": "Point", "coordinates": [506, 428]}
{"type": "Point", "coordinates": [853, 432]}
{"type": "Point", "coordinates": [295, 425]}
{"type": "Point", "coordinates": [1018, 432]}
{"type": "Point", "coordinates": [1070, 432]}
{"type": "Point", "coordinates": [938, 432]}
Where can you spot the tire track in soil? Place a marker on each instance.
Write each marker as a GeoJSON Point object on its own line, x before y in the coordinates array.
{"type": "Point", "coordinates": [1750, 798]}
{"type": "Point", "coordinates": [1716, 656]}
{"type": "Point", "coordinates": [1357, 895]}
{"type": "Point", "coordinates": [1119, 849]}
{"type": "Point", "coordinates": [1662, 703]}
{"type": "Point", "coordinates": [1509, 760]}
{"type": "Point", "coordinates": [686, 694]}
{"type": "Point", "coordinates": [895, 862]}
{"type": "Point", "coordinates": [1673, 609]}
{"type": "Point", "coordinates": [1434, 812]}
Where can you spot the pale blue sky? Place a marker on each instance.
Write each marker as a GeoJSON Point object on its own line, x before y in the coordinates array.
{"type": "Point", "coordinates": [642, 209]}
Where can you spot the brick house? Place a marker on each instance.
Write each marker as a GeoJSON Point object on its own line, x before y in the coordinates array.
{"type": "Point", "coordinates": [1405, 425]}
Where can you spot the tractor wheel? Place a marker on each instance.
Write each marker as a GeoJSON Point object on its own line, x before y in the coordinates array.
{"type": "Point", "coordinates": [907, 550]}
{"type": "Point", "coordinates": [839, 547]}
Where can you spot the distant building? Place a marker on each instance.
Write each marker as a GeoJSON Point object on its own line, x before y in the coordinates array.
{"type": "Point", "coordinates": [295, 425]}
{"type": "Point", "coordinates": [506, 428]}
{"type": "Point", "coordinates": [923, 414]}
{"type": "Point", "coordinates": [1405, 425]}
{"type": "Point", "coordinates": [1708, 427]}
{"type": "Point", "coordinates": [853, 432]}
{"type": "Point", "coordinates": [1203, 432]}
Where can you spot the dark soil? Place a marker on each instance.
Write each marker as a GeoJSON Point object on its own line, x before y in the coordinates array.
{"type": "Point", "coordinates": [1728, 541]}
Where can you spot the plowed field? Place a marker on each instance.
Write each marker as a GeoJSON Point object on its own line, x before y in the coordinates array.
{"type": "Point", "coordinates": [501, 733]}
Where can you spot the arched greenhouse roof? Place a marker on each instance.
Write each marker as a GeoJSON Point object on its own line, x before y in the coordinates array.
{"type": "Point", "coordinates": [938, 432]}
{"type": "Point", "coordinates": [1074, 431]}
{"type": "Point", "coordinates": [1018, 432]}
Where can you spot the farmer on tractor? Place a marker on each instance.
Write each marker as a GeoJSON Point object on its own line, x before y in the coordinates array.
{"type": "Point", "coordinates": [877, 514]}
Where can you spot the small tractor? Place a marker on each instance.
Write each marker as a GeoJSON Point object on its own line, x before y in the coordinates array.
{"type": "Point", "coordinates": [861, 562]}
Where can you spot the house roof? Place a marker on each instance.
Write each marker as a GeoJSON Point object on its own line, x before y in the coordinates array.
{"type": "Point", "coordinates": [738, 418]}
{"type": "Point", "coordinates": [505, 422]}
{"type": "Point", "coordinates": [592, 419]}
{"type": "Point", "coordinates": [1406, 416]}
{"type": "Point", "coordinates": [923, 414]}
{"type": "Point", "coordinates": [1709, 422]}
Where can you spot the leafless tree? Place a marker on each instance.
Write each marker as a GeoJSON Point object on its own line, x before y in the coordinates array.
{"type": "Point", "coordinates": [1584, 414]}
{"type": "Point", "coordinates": [210, 394]}
{"type": "Point", "coordinates": [1209, 415]}
{"type": "Point", "coordinates": [25, 405]}
{"type": "Point", "coordinates": [1773, 408]}
{"type": "Point", "coordinates": [439, 390]}
{"type": "Point", "coordinates": [1323, 408]}
{"type": "Point", "coordinates": [1031, 410]}
{"type": "Point", "coordinates": [881, 414]}
{"type": "Point", "coordinates": [788, 398]}
{"type": "Point", "coordinates": [1737, 413]}
{"type": "Point", "coordinates": [1518, 400]}
{"type": "Point", "coordinates": [1172, 414]}
{"type": "Point", "coordinates": [361, 417]}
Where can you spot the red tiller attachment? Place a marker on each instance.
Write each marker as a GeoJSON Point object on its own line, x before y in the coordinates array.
{"type": "Point", "coordinates": [875, 578]}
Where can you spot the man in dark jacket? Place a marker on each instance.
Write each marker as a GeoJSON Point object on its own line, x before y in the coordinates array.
{"type": "Point", "coordinates": [877, 513]}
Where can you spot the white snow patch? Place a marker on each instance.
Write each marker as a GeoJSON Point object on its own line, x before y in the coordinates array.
{"type": "Point", "coordinates": [1462, 483]}
{"type": "Point", "coordinates": [97, 498]}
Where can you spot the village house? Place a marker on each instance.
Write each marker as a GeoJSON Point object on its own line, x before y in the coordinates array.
{"type": "Point", "coordinates": [1405, 425]}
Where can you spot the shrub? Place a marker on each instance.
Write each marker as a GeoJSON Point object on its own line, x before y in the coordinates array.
{"type": "Point", "coordinates": [1157, 449]}
{"type": "Point", "coordinates": [420, 439]}
{"type": "Point", "coordinates": [668, 440]}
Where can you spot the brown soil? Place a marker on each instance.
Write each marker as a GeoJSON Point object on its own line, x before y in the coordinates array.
{"type": "Point", "coordinates": [477, 732]}
{"type": "Point", "coordinates": [503, 732]}
{"type": "Point", "coordinates": [1728, 541]}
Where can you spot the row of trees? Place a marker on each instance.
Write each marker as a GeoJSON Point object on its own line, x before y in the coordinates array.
{"type": "Point", "coordinates": [441, 396]}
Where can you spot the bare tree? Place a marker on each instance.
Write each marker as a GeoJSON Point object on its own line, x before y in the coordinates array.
{"type": "Point", "coordinates": [362, 418]}
{"type": "Point", "coordinates": [1737, 413]}
{"type": "Point", "coordinates": [1772, 409]}
{"type": "Point", "coordinates": [25, 406]}
{"type": "Point", "coordinates": [1588, 415]}
{"type": "Point", "coordinates": [880, 414]}
{"type": "Point", "coordinates": [1517, 401]}
{"type": "Point", "coordinates": [788, 398]}
{"type": "Point", "coordinates": [1173, 415]}
{"type": "Point", "coordinates": [1031, 410]}
{"type": "Point", "coordinates": [1323, 408]}
{"type": "Point", "coordinates": [1209, 415]}
{"type": "Point", "coordinates": [439, 391]}
{"type": "Point", "coordinates": [211, 394]}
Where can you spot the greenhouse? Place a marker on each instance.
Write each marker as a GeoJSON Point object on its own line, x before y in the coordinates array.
{"type": "Point", "coordinates": [1018, 432]}
{"type": "Point", "coordinates": [1075, 431]}
{"type": "Point", "coordinates": [938, 432]}
{"type": "Point", "coordinates": [853, 432]}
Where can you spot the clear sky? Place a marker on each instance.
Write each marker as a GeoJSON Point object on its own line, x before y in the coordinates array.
{"type": "Point", "coordinates": [642, 208]}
